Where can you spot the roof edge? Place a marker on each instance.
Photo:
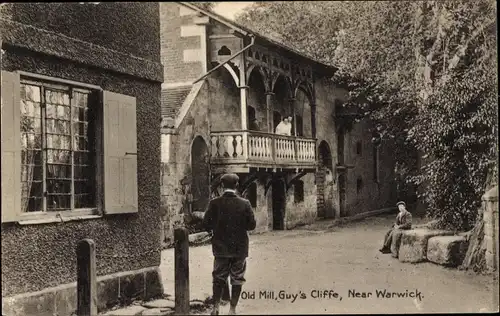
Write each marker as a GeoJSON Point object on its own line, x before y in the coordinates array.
{"type": "Point", "coordinates": [217, 18]}
{"type": "Point", "coordinates": [265, 39]}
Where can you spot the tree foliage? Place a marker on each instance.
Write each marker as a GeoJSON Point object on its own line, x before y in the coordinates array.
{"type": "Point", "coordinates": [209, 6]}
{"type": "Point", "coordinates": [423, 71]}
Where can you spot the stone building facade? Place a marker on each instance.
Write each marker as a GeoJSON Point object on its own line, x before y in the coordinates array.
{"type": "Point", "coordinates": [226, 88]}
{"type": "Point", "coordinates": [81, 86]}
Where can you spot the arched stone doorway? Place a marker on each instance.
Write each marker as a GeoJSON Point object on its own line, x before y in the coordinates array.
{"type": "Point", "coordinates": [324, 178]}
{"type": "Point", "coordinates": [200, 173]}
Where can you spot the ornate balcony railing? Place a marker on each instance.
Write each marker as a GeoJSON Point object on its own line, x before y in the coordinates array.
{"type": "Point", "coordinates": [265, 150]}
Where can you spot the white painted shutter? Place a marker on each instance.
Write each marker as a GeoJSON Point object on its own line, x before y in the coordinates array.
{"type": "Point", "coordinates": [11, 147]}
{"type": "Point", "coordinates": [120, 154]}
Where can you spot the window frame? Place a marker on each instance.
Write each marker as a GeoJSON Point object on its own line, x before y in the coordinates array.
{"type": "Point", "coordinates": [25, 218]}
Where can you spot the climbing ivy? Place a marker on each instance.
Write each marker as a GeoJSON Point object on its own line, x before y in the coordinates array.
{"type": "Point", "coordinates": [424, 72]}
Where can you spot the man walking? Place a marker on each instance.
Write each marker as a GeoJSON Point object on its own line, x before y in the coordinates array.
{"type": "Point", "coordinates": [229, 217]}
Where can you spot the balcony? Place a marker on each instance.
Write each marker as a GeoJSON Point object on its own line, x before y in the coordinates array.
{"type": "Point", "coordinates": [238, 151]}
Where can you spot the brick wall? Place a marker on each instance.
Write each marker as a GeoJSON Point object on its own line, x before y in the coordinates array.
{"type": "Point", "coordinates": [183, 53]}
{"type": "Point", "coordinates": [181, 43]}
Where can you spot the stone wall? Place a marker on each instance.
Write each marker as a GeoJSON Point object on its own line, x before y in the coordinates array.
{"type": "Point", "coordinates": [99, 43]}
{"type": "Point", "coordinates": [372, 194]}
{"type": "Point", "coordinates": [303, 212]}
{"type": "Point", "coordinates": [180, 39]}
{"type": "Point", "coordinates": [490, 218]}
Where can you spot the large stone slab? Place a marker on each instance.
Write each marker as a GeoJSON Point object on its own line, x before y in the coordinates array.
{"type": "Point", "coordinates": [198, 237]}
{"type": "Point", "coordinates": [127, 311]}
{"type": "Point", "coordinates": [157, 312]}
{"type": "Point", "coordinates": [162, 303]}
{"type": "Point", "coordinates": [413, 246]}
{"type": "Point", "coordinates": [447, 250]}
{"type": "Point", "coordinates": [396, 242]}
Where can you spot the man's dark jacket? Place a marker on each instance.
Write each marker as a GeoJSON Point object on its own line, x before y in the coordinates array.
{"type": "Point", "coordinates": [229, 217]}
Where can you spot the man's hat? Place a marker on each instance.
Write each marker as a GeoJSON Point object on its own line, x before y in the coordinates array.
{"type": "Point", "coordinates": [230, 179]}
{"type": "Point", "coordinates": [401, 203]}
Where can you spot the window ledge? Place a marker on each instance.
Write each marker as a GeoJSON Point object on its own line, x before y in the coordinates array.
{"type": "Point", "coordinates": [56, 218]}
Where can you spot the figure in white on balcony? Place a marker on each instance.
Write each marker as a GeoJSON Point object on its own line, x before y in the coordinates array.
{"type": "Point", "coordinates": [285, 127]}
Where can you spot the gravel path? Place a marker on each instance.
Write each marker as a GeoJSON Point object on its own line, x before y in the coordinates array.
{"type": "Point", "coordinates": [339, 261]}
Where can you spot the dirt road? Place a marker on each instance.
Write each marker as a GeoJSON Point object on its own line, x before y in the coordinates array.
{"type": "Point", "coordinates": [312, 271]}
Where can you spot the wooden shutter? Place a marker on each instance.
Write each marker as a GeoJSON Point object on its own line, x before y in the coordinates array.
{"type": "Point", "coordinates": [120, 154]}
{"type": "Point", "coordinates": [11, 147]}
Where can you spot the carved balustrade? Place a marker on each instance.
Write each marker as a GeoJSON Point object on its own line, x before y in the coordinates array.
{"type": "Point", "coordinates": [262, 150]}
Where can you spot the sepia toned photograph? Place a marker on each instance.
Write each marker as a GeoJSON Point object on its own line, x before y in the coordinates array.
{"type": "Point", "coordinates": [249, 158]}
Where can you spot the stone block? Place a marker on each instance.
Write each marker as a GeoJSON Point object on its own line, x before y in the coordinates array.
{"type": "Point", "coordinates": [190, 30]}
{"type": "Point", "coordinates": [447, 250]}
{"type": "Point", "coordinates": [413, 246]}
{"type": "Point", "coordinates": [132, 286]}
{"type": "Point", "coordinates": [127, 311]}
{"type": "Point", "coordinates": [162, 303]}
{"type": "Point", "coordinates": [157, 312]}
{"type": "Point", "coordinates": [66, 301]}
{"type": "Point", "coordinates": [192, 55]}
{"type": "Point", "coordinates": [396, 242]}
{"type": "Point", "coordinates": [107, 292]}
{"type": "Point", "coordinates": [488, 216]}
{"type": "Point", "coordinates": [490, 261]}
{"type": "Point", "coordinates": [198, 237]}
{"type": "Point", "coordinates": [29, 305]}
{"type": "Point", "coordinates": [154, 286]}
{"type": "Point", "coordinates": [490, 243]}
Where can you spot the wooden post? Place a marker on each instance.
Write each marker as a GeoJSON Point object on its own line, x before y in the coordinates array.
{"type": "Point", "coordinates": [181, 237]}
{"type": "Point", "coordinates": [269, 112]}
{"type": "Point", "coordinates": [313, 120]}
{"type": "Point", "coordinates": [86, 278]}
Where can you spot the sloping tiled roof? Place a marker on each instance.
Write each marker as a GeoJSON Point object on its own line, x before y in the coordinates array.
{"type": "Point", "coordinates": [172, 99]}
{"type": "Point", "coordinates": [246, 31]}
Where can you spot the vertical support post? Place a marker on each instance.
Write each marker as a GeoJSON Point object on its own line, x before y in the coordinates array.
{"type": "Point", "coordinates": [181, 266]}
{"type": "Point", "coordinates": [292, 111]}
{"type": "Point", "coordinates": [313, 120]}
{"type": "Point", "coordinates": [243, 102]}
{"type": "Point", "coordinates": [86, 278]}
{"type": "Point", "coordinates": [294, 127]}
{"type": "Point", "coordinates": [269, 111]}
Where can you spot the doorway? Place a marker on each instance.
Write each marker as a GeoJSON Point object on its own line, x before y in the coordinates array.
{"type": "Point", "coordinates": [324, 198]}
{"type": "Point", "coordinates": [279, 202]}
{"type": "Point", "coordinates": [342, 194]}
{"type": "Point", "coordinates": [200, 184]}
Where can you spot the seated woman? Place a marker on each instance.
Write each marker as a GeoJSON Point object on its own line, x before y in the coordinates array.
{"type": "Point", "coordinates": [403, 221]}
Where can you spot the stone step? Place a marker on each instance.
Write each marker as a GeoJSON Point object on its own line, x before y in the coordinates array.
{"type": "Point", "coordinates": [447, 250]}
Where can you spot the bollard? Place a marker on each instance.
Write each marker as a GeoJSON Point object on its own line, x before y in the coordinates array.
{"type": "Point", "coordinates": [86, 278]}
{"type": "Point", "coordinates": [181, 237]}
